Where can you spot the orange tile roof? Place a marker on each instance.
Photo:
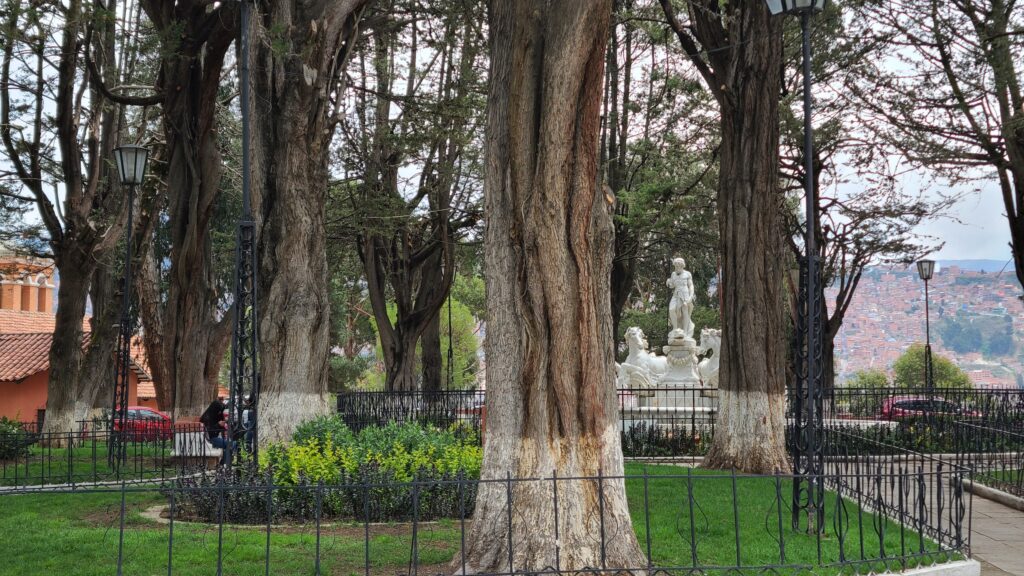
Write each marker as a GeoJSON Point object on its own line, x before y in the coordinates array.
{"type": "Point", "coordinates": [25, 354]}
{"type": "Point", "coordinates": [23, 322]}
{"type": "Point", "coordinates": [147, 389]}
{"type": "Point", "coordinates": [22, 355]}
{"type": "Point", "coordinates": [138, 352]}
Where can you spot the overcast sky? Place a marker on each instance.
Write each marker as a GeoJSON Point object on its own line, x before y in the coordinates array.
{"type": "Point", "coordinates": [983, 233]}
{"type": "Point", "coordinates": [976, 228]}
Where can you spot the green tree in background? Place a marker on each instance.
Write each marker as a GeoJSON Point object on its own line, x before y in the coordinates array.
{"type": "Point", "coordinates": [464, 347]}
{"type": "Point", "coordinates": [908, 371]}
{"type": "Point", "coordinates": [469, 291]}
{"type": "Point", "coordinates": [866, 379]}
{"type": "Point", "coordinates": [865, 405]}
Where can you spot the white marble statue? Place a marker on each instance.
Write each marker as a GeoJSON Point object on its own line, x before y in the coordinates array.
{"type": "Point", "coordinates": [641, 369]}
{"type": "Point", "coordinates": [710, 341]}
{"type": "Point", "coordinates": [680, 308]}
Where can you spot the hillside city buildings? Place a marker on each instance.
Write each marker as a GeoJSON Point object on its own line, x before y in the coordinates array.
{"type": "Point", "coordinates": [970, 310]}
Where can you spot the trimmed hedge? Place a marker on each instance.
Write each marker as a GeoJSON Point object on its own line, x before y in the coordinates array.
{"type": "Point", "coordinates": [380, 474]}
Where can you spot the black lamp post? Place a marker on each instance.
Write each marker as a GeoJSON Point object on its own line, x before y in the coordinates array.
{"type": "Point", "coordinates": [808, 455]}
{"type": "Point", "coordinates": [925, 269]}
{"type": "Point", "coordinates": [131, 171]}
{"type": "Point", "coordinates": [244, 393]}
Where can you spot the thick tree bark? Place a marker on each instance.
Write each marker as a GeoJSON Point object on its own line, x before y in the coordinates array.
{"type": "Point", "coordinates": [740, 58]}
{"type": "Point", "coordinates": [147, 282]}
{"type": "Point", "coordinates": [430, 340]}
{"type": "Point", "coordinates": [548, 249]}
{"type": "Point", "coordinates": [297, 51]}
{"type": "Point", "coordinates": [75, 269]}
{"type": "Point", "coordinates": [189, 348]}
{"type": "Point", "coordinates": [623, 273]}
{"type": "Point", "coordinates": [750, 431]}
{"type": "Point", "coordinates": [96, 384]}
{"type": "Point", "coordinates": [78, 242]}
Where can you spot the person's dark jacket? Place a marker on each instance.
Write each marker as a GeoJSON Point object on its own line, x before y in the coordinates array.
{"type": "Point", "coordinates": [212, 419]}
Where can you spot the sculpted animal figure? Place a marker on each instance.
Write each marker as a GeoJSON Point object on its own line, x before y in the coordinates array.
{"type": "Point", "coordinates": [710, 341]}
{"type": "Point", "coordinates": [640, 369]}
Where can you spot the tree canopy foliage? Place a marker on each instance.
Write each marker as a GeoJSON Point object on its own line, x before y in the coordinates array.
{"type": "Point", "coordinates": [909, 372]}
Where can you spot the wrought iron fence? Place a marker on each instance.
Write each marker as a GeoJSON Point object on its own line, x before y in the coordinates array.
{"type": "Point", "coordinates": [994, 455]}
{"type": "Point", "coordinates": [30, 459]}
{"type": "Point", "coordinates": [678, 423]}
{"type": "Point", "coordinates": [916, 485]}
{"type": "Point", "coordinates": [670, 424]}
{"type": "Point", "coordinates": [439, 408]}
{"type": "Point", "coordinates": [686, 521]}
{"type": "Point", "coordinates": [993, 405]}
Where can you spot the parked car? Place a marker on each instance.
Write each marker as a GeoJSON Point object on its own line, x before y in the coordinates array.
{"type": "Point", "coordinates": [900, 407]}
{"type": "Point", "coordinates": [144, 424]}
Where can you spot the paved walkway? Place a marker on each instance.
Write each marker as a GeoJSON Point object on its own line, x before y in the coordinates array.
{"type": "Point", "coordinates": [997, 538]}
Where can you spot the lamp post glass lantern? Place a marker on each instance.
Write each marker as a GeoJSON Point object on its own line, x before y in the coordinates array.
{"type": "Point", "coordinates": [131, 170]}
{"type": "Point", "coordinates": [795, 6]}
{"type": "Point", "coordinates": [131, 163]}
{"type": "Point", "coordinates": [925, 269]}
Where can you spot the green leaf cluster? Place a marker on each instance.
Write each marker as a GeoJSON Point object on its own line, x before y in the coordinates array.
{"type": "Point", "coordinates": [326, 450]}
{"type": "Point", "coordinates": [461, 340]}
{"type": "Point", "coordinates": [908, 371]}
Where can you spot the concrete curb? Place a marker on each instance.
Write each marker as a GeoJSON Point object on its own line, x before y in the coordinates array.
{"type": "Point", "coordinates": [989, 493]}
{"type": "Point", "coordinates": [959, 568]}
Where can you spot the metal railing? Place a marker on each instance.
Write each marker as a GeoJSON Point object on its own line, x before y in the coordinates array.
{"type": "Point", "coordinates": [153, 453]}
{"type": "Point", "coordinates": [442, 408]}
{"type": "Point", "coordinates": [685, 521]}
{"type": "Point", "coordinates": [994, 455]}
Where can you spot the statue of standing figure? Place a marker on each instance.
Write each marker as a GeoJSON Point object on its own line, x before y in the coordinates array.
{"type": "Point", "coordinates": [680, 308]}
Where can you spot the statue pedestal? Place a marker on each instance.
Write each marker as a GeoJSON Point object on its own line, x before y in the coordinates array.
{"type": "Point", "coordinates": [681, 352]}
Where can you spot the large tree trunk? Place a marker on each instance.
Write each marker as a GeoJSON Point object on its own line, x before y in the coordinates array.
{"type": "Point", "coordinates": [430, 340]}
{"type": "Point", "coordinates": [623, 273]}
{"type": "Point", "coordinates": [740, 58]}
{"type": "Point", "coordinates": [548, 249]}
{"type": "Point", "coordinates": [96, 384]}
{"type": "Point", "coordinates": [147, 281]}
{"type": "Point", "coordinates": [401, 372]}
{"type": "Point", "coordinates": [88, 223]}
{"type": "Point", "coordinates": [189, 348]}
{"type": "Point", "coordinates": [297, 51]}
{"type": "Point", "coordinates": [74, 269]}
{"type": "Point", "coordinates": [750, 430]}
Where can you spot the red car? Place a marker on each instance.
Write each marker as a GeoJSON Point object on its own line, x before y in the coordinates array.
{"type": "Point", "coordinates": [144, 424]}
{"type": "Point", "coordinates": [900, 407]}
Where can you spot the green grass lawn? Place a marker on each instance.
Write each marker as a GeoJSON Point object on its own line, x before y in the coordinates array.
{"type": "Point", "coordinates": [85, 462]}
{"type": "Point", "coordinates": [78, 534]}
{"type": "Point", "coordinates": [758, 517]}
{"type": "Point", "coordinates": [1007, 480]}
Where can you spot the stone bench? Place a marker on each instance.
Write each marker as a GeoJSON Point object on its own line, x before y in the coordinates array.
{"type": "Point", "coordinates": [190, 441]}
